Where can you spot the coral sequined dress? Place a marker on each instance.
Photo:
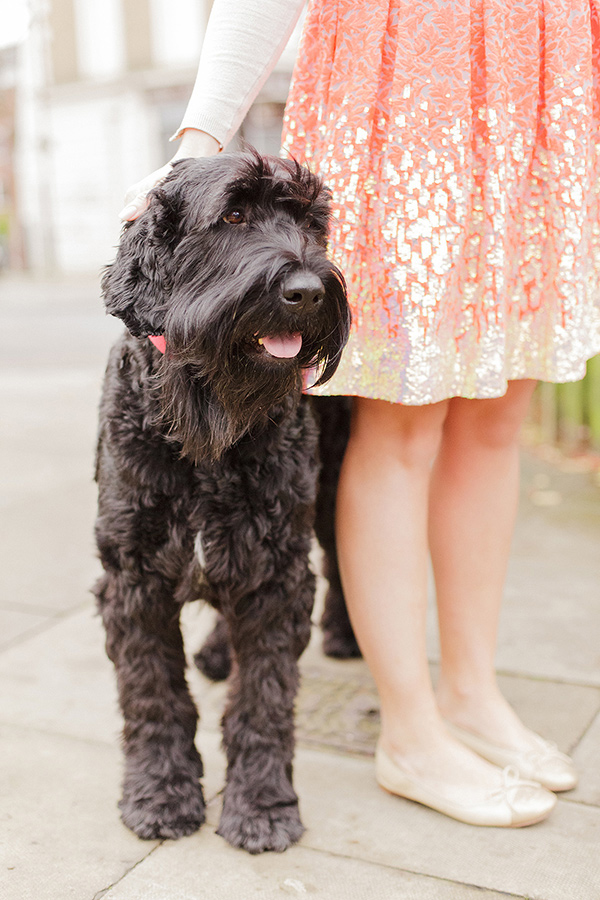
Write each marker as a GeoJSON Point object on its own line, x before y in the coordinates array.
{"type": "Point", "coordinates": [460, 139]}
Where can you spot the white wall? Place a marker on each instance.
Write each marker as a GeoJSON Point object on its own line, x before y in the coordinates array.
{"type": "Point", "coordinates": [177, 31]}
{"type": "Point", "coordinates": [100, 146]}
{"type": "Point", "coordinates": [32, 148]}
{"type": "Point", "coordinates": [100, 37]}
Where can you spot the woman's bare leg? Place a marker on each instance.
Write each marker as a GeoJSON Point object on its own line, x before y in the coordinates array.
{"type": "Point", "coordinates": [472, 511]}
{"type": "Point", "coordinates": [383, 551]}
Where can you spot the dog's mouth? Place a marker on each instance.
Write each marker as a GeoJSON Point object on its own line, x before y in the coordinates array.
{"type": "Point", "coordinates": [281, 346]}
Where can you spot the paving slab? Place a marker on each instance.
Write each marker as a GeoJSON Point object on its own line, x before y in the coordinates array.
{"type": "Point", "coordinates": [551, 615]}
{"type": "Point", "coordinates": [55, 323]}
{"type": "Point", "coordinates": [61, 681]}
{"type": "Point", "coordinates": [61, 836]}
{"type": "Point", "coordinates": [16, 623]}
{"type": "Point", "coordinates": [555, 860]}
{"type": "Point", "coordinates": [203, 867]}
{"type": "Point", "coordinates": [47, 551]}
{"type": "Point", "coordinates": [46, 488]}
{"type": "Point", "coordinates": [70, 843]}
{"type": "Point", "coordinates": [338, 706]}
{"type": "Point", "coordinates": [587, 759]}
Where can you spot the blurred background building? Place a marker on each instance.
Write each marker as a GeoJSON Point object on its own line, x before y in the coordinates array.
{"type": "Point", "coordinates": [88, 101]}
{"type": "Point", "coordinates": [11, 250]}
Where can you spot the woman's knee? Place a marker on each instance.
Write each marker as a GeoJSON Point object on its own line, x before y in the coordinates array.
{"type": "Point", "coordinates": [409, 435]}
{"type": "Point", "coordinates": [494, 423]}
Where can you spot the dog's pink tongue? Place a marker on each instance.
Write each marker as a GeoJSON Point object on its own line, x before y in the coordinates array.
{"type": "Point", "coordinates": [283, 346]}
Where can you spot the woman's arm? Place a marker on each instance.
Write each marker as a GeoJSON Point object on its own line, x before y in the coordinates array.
{"type": "Point", "coordinates": [243, 41]}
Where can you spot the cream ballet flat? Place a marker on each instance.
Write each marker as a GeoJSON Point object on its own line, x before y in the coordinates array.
{"type": "Point", "coordinates": [514, 804]}
{"type": "Point", "coordinates": [544, 763]}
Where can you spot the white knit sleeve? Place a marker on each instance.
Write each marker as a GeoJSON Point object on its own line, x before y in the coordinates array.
{"type": "Point", "coordinates": [243, 42]}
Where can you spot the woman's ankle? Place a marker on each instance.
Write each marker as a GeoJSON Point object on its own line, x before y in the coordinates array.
{"type": "Point", "coordinates": [470, 706]}
{"type": "Point", "coordinates": [485, 712]}
{"type": "Point", "coordinates": [414, 737]}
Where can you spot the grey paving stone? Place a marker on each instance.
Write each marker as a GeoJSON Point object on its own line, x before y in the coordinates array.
{"type": "Point", "coordinates": [56, 325]}
{"type": "Point", "coordinates": [587, 758]}
{"type": "Point", "coordinates": [69, 688]}
{"type": "Point", "coordinates": [204, 867]}
{"type": "Point", "coordinates": [15, 623]}
{"type": "Point", "coordinates": [61, 681]}
{"type": "Point", "coordinates": [341, 710]}
{"type": "Point", "coordinates": [47, 551]}
{"type": "Point", "coordinates": [47, 494]}
{"type": "Point", "coordinates": [338, 707]}
{"type": "Point", "coordinates": [560, 712]}
{"type": "Point", "coordinates": [48, 428]}
{"type": "Point", "coordinates": [61, 836]}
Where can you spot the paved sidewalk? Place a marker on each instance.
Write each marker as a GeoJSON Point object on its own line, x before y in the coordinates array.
{"type": "Point", "coordinates": [60, 834]}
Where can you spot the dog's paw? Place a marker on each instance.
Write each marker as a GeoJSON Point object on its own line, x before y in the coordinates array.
{"type": "Point", "coordinates": [259, 830]}
{"type": "Point", "coordinates": [214, 660]}
{"type": "Point", "coordinates": [171, 812]}
{"type": "Point", "coordinates": [340, 645]}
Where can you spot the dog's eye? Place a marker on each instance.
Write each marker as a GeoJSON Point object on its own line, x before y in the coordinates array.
{"type": "Point", "coordinates": [235, 217]}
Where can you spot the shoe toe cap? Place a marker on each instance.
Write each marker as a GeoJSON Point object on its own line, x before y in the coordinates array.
{"type": "Point", "coordinates": [530, 803]}
{"type": "Point", "coordinates": [557, 774]}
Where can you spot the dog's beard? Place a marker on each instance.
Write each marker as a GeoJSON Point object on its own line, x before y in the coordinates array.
{"type": "Point", "coordinates": [207, 416]}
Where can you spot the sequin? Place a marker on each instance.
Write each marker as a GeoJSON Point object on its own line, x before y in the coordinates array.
{"type": "Point", "coordinates": [461, 141]}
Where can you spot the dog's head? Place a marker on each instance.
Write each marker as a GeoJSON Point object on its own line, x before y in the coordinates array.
{"type": "Point", "coordinates": [229, 263]}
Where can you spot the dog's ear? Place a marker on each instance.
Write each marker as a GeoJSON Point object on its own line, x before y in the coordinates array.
{"type": "Point", "coordinates": [137, 284]}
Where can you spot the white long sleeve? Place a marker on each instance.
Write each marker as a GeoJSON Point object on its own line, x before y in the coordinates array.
{"type": "Point", "coordinates": [243, 42]}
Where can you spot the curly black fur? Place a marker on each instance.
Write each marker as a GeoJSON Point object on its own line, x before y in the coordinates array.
{"type": "Point", "coordinates": [333, 418]}
{"type": "Point", "coordinates": [207, 471]}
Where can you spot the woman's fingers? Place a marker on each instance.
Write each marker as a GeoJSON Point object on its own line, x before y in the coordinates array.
{"type": "Point", "coordinates": [194, 143]}
{"type": "Point", "coordinates": [136, 197]}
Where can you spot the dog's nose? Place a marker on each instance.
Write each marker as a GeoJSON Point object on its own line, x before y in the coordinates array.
{"type": "Point", "coordinates": [303, 289]}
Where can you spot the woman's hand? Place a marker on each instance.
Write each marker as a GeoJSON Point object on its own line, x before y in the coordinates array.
{"type": "Point", "coordinates": [193, 143]}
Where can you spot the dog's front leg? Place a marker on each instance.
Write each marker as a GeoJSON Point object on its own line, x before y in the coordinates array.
{"type": "Point", "coordinates": [260, 806]}
{"type": "Point", "coordinates": [143, 553]}
{"type": "Point", "coordinates": [162, 796]}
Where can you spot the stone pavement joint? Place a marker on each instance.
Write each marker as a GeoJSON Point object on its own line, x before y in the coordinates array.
{"type": "Point", "coordinates": [104, 891]}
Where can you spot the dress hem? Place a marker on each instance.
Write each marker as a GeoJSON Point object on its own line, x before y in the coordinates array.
{"type": "Point", "coordinates": [579, 372]}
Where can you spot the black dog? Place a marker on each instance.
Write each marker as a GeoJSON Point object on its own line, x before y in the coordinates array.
{"type": "Point", "coordinates": [207, 471]}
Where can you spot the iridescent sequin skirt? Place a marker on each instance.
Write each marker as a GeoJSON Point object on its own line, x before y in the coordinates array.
{"type": "Point", "coordinates": [461, 141]}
